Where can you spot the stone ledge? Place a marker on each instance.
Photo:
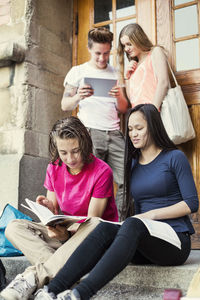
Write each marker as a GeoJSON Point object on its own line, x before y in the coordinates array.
{"type": "Point", "coordinates": [133, 283]}
{"type": "Point", "coordinates": [11, 52]}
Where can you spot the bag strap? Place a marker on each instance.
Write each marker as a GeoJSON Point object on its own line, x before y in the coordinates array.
{"type": "Point", "coordinates": [174, 77]}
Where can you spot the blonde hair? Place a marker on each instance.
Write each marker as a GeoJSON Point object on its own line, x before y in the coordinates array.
{"type": "Point", "coordinates": [138, 37]}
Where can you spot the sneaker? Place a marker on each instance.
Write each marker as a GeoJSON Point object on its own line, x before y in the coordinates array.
{"type": "Point", "coordinates": [69, 295]}
{"type": "Point", "coordinates": [20, 288]}
{"type": "Point", "coordinates": [43, 294]}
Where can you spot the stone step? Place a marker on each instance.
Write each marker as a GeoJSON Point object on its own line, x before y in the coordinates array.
{"type": "Point", "coordinates": [161, 277]}
{"type": "Point", "coordinates": [134, 282]}
{"type": "Point", "coordinates": [128, 292]}
{"type": "Point", "coordinates": [149, 281]}
{"type": "Point", "coordinates": [14, 265]}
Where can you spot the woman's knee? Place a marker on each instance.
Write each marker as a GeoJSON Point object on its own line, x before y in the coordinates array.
{"type": "Point", "coordinates": [105, 231]}
{"type": "Point", "coordinates": [133, 226]}
{"type": "Point", "coordinates": [14, 227]}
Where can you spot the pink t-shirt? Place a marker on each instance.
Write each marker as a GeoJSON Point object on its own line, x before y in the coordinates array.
{"type": "Point", "coordinates": [143, 83]}
{"type": "Point", "coordinates": [73, 192]}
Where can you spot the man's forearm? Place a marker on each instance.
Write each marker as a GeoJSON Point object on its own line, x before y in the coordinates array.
{"type": "Point", "coordinates": [69, 103]}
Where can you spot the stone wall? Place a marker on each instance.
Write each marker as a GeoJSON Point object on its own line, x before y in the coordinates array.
{"type": "Point", "coordinates": [35, 55]}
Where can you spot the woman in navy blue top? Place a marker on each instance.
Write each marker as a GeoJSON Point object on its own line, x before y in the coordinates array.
{"type": "Point", "coordinates": [159, 186]}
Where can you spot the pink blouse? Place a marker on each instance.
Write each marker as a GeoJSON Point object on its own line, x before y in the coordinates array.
{"type": "Point", "coordinates": [143, 83]}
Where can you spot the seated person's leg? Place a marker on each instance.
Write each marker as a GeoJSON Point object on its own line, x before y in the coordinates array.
{"type": "Point", "coordinates": [32, 239]}
{"type": "Point", "coordinates": [36, 276]}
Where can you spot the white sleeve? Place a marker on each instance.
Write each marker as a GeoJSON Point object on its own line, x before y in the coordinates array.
{"type": "Point", "coordinates": [73, 77]}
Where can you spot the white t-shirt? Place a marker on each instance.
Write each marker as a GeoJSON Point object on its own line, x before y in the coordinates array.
{"type": "Point", "coordinates": [95, 112]}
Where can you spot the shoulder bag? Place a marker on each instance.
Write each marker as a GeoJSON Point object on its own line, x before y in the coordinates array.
{"type": "Point", "coordinates": [175, 115]}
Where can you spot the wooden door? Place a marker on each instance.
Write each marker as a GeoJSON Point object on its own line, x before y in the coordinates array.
{"type": "Point", "coordinates": [178, 30]}
{"type": "Point", "coordinates": [159, 19]}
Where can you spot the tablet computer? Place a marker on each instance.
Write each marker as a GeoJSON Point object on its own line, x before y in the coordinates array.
{"type": "Point", "coordinates": [101, 86]}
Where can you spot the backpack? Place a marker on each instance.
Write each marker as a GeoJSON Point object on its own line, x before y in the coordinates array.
{"type": "Point", "coordinates": [9, 213]}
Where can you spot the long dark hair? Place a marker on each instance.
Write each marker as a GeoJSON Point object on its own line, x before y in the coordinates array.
{"type": "Point", "coordinates": [68, 128]}
{"type": "Point", "coordinates": [160, 138]}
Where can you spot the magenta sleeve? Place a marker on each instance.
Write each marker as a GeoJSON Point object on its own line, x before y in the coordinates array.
{"type": "Point", "coordinates": [103, 187]}
{"type": "Point", "coordinates": [48, 179]}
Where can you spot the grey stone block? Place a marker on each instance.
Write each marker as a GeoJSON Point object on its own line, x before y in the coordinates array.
{"type": "Point", "coordinates": [11, 52]}
{"type": "Point", "coordinates": [31, 179]}
{"type": "Point", "coordinates": [14, 265]}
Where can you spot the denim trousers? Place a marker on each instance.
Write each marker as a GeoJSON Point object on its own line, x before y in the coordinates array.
{"type": "Point", "coordinates": [109, 249]}
{"type": "Point", "coordinates": [109, 146]}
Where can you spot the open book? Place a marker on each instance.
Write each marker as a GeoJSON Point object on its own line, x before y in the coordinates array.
{"type": "Point", "coordinates": [158, 229]}
{"type": "Point", "coordinates": [48, 218]}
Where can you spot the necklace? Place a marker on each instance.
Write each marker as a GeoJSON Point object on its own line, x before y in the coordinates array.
{"type": "Point", "coordinates": [74, 172]}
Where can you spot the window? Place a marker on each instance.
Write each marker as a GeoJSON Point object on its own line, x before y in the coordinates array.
{"type": "Point", "coordinates": [186, 34]}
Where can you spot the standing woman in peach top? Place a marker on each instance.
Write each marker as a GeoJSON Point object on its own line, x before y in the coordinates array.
{"type": "Point", "coordinates": [146, 76]}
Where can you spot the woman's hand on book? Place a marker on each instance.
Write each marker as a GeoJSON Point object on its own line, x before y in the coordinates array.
{"type": "Point", "coordinates": [42, 200]}
{"type": "Point", "coordinates": [58, 232]}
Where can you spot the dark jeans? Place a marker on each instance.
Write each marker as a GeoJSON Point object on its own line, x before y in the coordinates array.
{"type": "Point", "coordinates": [109, 249]}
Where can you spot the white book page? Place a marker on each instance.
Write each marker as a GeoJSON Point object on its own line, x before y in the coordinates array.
{"type": "Point", "coordinates": [158, 229]}
{"type": "Point", "coordinates": [112, 222]}
{"type": "Point", "coordinates": [161, 230]}
{"type": "Point", "coordinates": [48, 218]}
{"type": "Point", "coordinates": [43, 213]}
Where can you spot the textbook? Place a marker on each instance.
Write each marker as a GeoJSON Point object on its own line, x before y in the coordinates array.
{"type": "Point", "coordinates": [48, 218]}
{"type": "Point", "coordinates": [101, 86]}
{"type": "Point", "coordinates": [158, 229]}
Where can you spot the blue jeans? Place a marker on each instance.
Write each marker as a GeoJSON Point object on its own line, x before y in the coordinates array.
{"type": "Point", "coordinates": [109, 249]}
{"type": "Point", "coordinates": [109, 146]}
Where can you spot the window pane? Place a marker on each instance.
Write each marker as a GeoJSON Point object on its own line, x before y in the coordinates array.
{"type": "Point", "coordinates": [102, 10]}
{"type": "Point", "coordinates": [111, 60]}
{"type": "Point", "coordinates": [177, 2]}
{"type": "Point", "coordinates": [187, 55]}
{"type": "Point", "coordinates": [125, 8]}
{"type": "Point", "coordinates": [186, 21]}
{"type": "Point", "coordinates": [120, 25]}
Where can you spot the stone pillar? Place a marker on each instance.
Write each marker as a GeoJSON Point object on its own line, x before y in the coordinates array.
{"type": "Point", "coordinates": [35, 55]}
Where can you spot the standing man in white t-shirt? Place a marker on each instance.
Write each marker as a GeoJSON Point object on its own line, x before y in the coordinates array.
{"type": "Point", "coordinates": [99, 114]}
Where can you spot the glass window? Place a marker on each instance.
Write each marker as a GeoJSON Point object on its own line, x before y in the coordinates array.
{"type": "Point", "coordinates": [102, 10]}
{"type": "Point", "coordinates": [186, 21]}
{"type": "Point", "coordinates": [187, 55]}
{"type": "Point", "coordinates": [111, 60]}
{"type": "Point", "coordinates": [125, 8]}
{"type": "Point", "coordinates": [177, 2]}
